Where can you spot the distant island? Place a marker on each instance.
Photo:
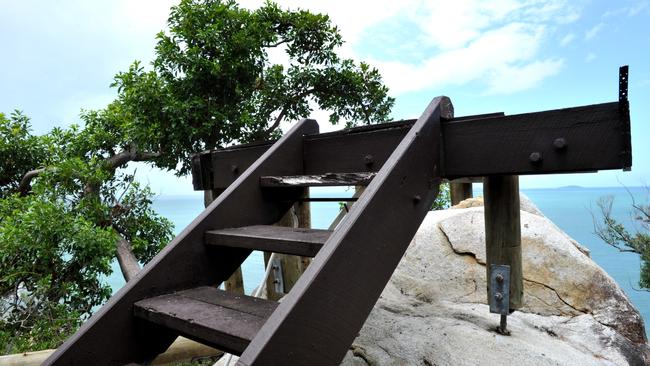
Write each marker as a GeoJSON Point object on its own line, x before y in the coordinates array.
{"type": "Point", "coordinates": [571, 187]}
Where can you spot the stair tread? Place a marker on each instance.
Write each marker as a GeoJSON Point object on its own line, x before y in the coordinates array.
{"type": "Point", "coordinates": [328, 179]}
{"type": "Point", "coordinates": [208, 315]}
{"type": "Point", "coordinates": [278, 239]}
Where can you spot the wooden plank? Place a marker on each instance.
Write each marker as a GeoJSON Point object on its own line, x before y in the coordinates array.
{"type": "Point", "coordinates": [503, 231]}
{"type": "Point", "coordinates": [278, 239]}
{"type": "Point", "coordinates": [113, 336]}
{"type": "Point", "coordinates": [560, 141]}
{"type": "Point", "coordinates": [316, 323]}
{"type": "Point", "coordinates": [595, 138]}
{"type": "Point", "coordinates": [202, 174]}
{"type": "Point", "coordinates": [459, 192]}
{"type": "Point", "coordinates": [208, 315]}
{"type": "Point", "coordinates": [243, 303]}
{"type": "Point", "coordinates": [323, 180]}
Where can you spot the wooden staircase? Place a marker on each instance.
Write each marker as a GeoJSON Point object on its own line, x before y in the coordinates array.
{"type": "Point", "coordinates": [177, 294]}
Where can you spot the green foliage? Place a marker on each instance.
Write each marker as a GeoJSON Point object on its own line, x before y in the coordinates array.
{"type": "Point", "coordinates": [51, 260]}
{"type": "Point", "coordinates": [57, 243]}
{"type": "Point", "coordinates": [213, 81]}
{"type": "Point", "coordinates": [443, 201]}
{"type": "Point", "coordinates": [615, 234]}
{"type": "Point", "coordinates": [19, 150]}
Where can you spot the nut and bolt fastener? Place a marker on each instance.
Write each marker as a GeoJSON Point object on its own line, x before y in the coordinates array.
{"type": "Point", "coordinates": [559, 143]}
{"type": "Point", "coordinates": [369, 159]}
{"type": "Point", "coordinates": [417, 199]}
{"type": "Point", "coordinates": [234, 169]}
{"type": "Point", "coordinates": [498, 296]}
{"type": "Point", "coordinates": [499, 278]}
{"type": "Point", "coordinates": [535, 157]}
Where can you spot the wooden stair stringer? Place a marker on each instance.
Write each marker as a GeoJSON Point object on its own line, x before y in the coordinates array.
{"type": "Point", "coordinates": [113, 335]}
{"type": "Point", "coordinates": [319, 319]}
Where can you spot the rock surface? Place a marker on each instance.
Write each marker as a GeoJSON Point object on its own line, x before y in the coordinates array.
{"type": "Point", "coordinates": [433, 311]}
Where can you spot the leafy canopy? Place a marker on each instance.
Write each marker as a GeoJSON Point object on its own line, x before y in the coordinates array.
{"type": "Point", "coordinates": [213, 81]}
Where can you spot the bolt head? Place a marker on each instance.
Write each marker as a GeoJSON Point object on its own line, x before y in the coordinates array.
{"type": "Point", "coordinates": [369, 159]}
{"type": "Point", "coordinates": [535, 157]}
{"type": "Point", "coordinates": [559, 143]}
{"type": "Point", "coordinates": [234, 168]}
{"type": "Point", "coordinates": [499, 278]}
{"type": "Point", "coordinates": [498, 296]}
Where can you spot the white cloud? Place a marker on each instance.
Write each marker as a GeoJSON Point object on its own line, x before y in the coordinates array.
{"type": "Point", "coordinates": [590, 57]}
{"type": "Point", "coordinates": [593, 31]}
{"type": "Point", "coordinates": [512, 79]}
{"type": "Point", "coordinates": [628, 11]}
{"type": "Point", "coordinates": [498, 50]}
{"type": "Point", "coordinates": [567, 39]}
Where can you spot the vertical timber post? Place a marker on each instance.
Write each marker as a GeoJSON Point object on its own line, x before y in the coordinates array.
{"type": "Point", "coordinates": [459, 192]}
{"type": "Point", "coordinates": [291, 266]}
{"type": "Point", "coordinates": [235, 283]}
{"type": "Point", "coordinates": [503, 235]}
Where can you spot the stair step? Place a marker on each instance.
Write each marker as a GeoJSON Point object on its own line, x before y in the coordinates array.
{"type": "Point", "coordinates": [208, 315]}
{"type": "Point", "coordinates": [329, 179]}
{"type": "Point", "coordinates": [278, 239]}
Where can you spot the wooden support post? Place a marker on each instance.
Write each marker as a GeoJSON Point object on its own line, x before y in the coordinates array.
{"type": "Point", "coordinates": [236, 282]}
{"type": "Point", "coordinates": [503, 231]}
{"type": "Point", "coordinates": [460, 192]}
{"type": "Point", "coordinates": [303, 213]}
{"type": "Point", "coordinates": [292, 266]}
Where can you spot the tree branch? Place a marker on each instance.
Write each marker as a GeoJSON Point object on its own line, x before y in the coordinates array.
{"type": "Point", "coordinates": [128, 262]}
{"type": "Point", "coordinates": [128, 155]}
{"type": "Point", "coordinates": [276, 123]}
{"type": "Point", "coordinates": [26, 183]}
{"type": "Point", "coordinates": [283, 111]}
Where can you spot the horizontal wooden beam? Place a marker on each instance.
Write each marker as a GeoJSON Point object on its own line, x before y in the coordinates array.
{"type": "Point", "coordinates": [580, 139]}
{"type": "Point", "coordinates": [321, 180]}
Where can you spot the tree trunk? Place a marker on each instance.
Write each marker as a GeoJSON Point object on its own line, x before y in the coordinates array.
{"type": "Point", "coordinates": [127, 260]}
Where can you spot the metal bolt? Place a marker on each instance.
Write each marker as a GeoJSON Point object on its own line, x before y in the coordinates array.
{"type": "Point", "coordinates": [499, 278]}
{"type": "Point", "coordinates": [535, 157]}
{"type": "Point", "coordinates": [559, 143]}
{"type": "Point", "coordinates": [369, 159]}
{"type": "Point", "coordinates": [417, 199]}
{"type": "Point", "coordinates": [498, 296]}
{"type": "Point", "coordinates": [234, 168]}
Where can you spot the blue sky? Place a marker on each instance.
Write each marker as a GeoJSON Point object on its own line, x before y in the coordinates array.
{"type": "Point", "coordinates": [513, 56]}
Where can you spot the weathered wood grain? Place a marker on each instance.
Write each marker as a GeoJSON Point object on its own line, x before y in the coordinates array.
{"type": "Point", "coordinates": [278, 239]}
{"type": "Point", "coordinates": [113, 336]}
{"type": "Point", "coordinates": [208, 315]}
{"type": "Point", "coordinates": [596, 138]}
{"type": "Point", "coordinates": [459, 192]}
{"type": "Point", "coordinates": [318, 320]}
{"type": "Point", "coordinates": [503, 231]}
{"type": "Point", "coordinates": [322, 180]}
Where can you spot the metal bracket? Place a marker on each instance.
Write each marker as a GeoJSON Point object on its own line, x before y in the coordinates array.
{"type": "Point", "coordinates": [499, 296]}
{"type": "Point", "coordinates": [624, 116]}
{"type": "Point", "coordinates": [278, 281]}
{"type": "Point", "coordinates": [623, 74]}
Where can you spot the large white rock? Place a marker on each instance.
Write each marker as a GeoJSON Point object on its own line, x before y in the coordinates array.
{"type": "Point", "coordinates": [433, 311]}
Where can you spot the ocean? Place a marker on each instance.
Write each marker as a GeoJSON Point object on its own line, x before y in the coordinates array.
{"type": "Point", "coordinates": [570, 208]}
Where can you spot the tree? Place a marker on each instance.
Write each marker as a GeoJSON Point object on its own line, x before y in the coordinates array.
{"type": "Point", "coordinates": [615, 234]}
{"type": "Point", "coordinates": [67, 206]}
{"type": "Point", "coordinates": [58, 239]}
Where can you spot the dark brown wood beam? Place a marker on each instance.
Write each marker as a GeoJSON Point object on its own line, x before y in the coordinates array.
{"type": "Point", "coordinates": [580, 139]}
